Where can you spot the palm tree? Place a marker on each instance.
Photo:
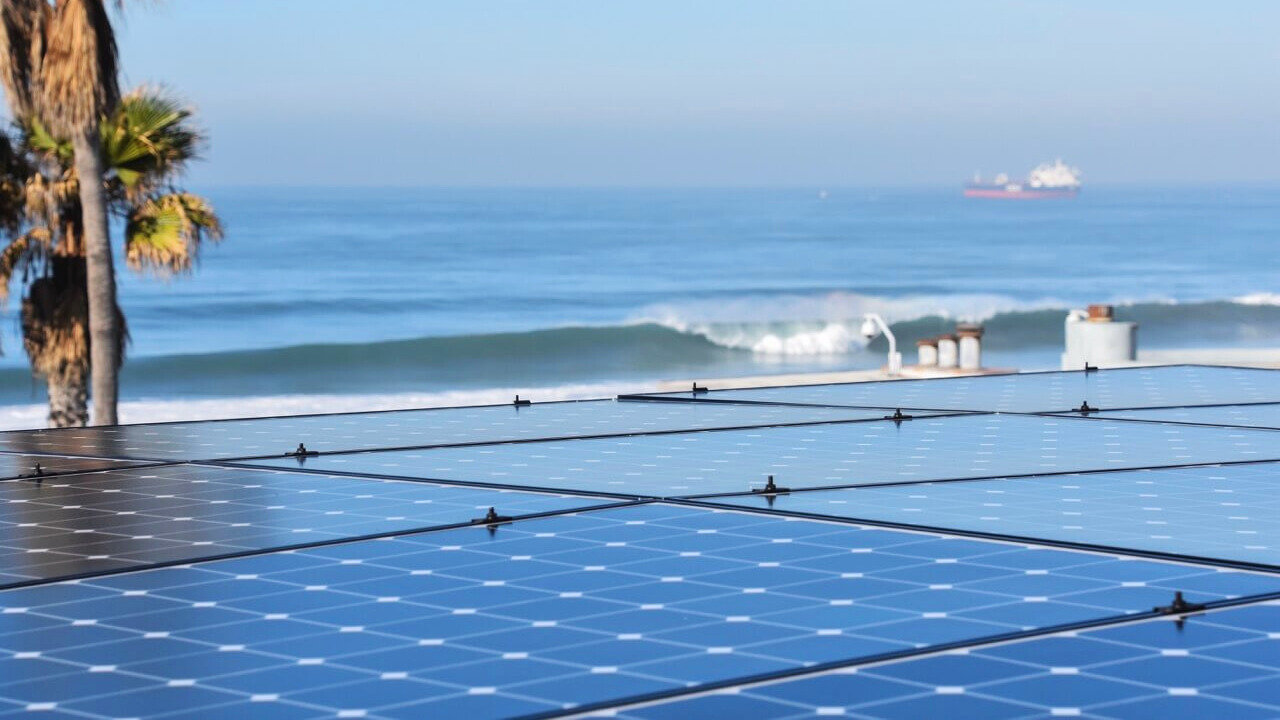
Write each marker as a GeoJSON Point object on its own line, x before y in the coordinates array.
{"type": "Point", "coordinates": [146, 144]}
{"type": "Point", "coordinates": [58, 64]}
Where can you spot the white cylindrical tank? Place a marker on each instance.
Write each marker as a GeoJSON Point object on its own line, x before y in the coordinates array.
{"type": "Point", "coordinates": [970, 345]}
{"type": "Point", "coordinates": [947, 351]}
{"type": "Point", "coordinates": [927, 352]}
{"type": "Point", "coordinates": [1095, 338]}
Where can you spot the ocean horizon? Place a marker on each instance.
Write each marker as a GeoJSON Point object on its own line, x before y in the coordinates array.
{"type": "Point", "coordinates": [328, 299]}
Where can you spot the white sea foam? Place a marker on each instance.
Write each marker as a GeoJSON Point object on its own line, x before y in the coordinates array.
{"type": "Point", "coordinates": [822, 324]}
{"type": "Point", "coordinates": [20, 417]}
{"type": "Point", "coordinates": [832, 338]}
{"type": "Point", "coordinates": [829, 324]}
{"type": "Point", "coordinates": [1258, 298]}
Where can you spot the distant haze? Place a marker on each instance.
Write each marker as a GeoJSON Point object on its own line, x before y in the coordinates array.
{"type": "Point", "coordinates": [712, 92]}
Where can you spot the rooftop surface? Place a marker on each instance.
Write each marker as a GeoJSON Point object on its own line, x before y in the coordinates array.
{"type": "Point", "coordinates": [1101, 544]}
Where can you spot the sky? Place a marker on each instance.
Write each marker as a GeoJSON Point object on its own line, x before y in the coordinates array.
{"type": "Point", "coordinates": [715, 92]}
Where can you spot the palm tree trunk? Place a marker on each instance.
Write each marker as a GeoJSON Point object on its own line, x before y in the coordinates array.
{"type": "Point", "coordinates": [104, 328]}
{"type": "Point", "coordinates": [69, 399]}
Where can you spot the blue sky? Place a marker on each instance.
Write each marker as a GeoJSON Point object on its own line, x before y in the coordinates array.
{"type": "Point", "coordinates": [711, 92]}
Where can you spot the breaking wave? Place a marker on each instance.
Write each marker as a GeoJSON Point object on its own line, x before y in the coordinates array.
{"type": "Point", "coordinates": [828, 324]}
{"type": "Point", "coordinates": [694, 340]}
{"type": "Point", "coordinates": [831, 325]}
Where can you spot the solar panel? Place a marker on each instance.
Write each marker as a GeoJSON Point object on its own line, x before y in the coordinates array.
{"type": "Point", "coordinates": [1265, 415]}
{"type": "Point", "coordinates": [34, 467]}
{"type": "Point", "coordinates": [1216, 512]}
{"type": "Point", "coordinates": [79, 524]}
{"type": "Point", "coordinates": [1217, 664]}
{"type": "Point", "coordinates": [219, 439]}
{"type": "Point", "coordinates": [1032, 392]}
{"type": "Point", "coordinates": [545, 614]}
{"type": "Point", "coordinates": [817, 456]}
{"type": "Point", "coordinates": [371, 580]}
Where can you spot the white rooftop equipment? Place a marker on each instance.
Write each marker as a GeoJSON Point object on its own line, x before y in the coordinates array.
{"type": "Point", "coordinates": [1094, 338]}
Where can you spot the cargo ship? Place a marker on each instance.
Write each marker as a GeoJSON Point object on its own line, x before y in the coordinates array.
{"type": "Point", "coordinates": [1050, 180]}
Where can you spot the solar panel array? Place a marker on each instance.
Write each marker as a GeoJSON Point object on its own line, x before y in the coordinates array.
{"type": "Point", "coordinates": [966, 547]}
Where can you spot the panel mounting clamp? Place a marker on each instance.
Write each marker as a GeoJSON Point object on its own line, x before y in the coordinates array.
{"type": "Point", "coordinates": [1178, 606]}
{"type": "Point", "coordinates": [491, 519]}
{"type": "Point", "coordinates": [771, 489]}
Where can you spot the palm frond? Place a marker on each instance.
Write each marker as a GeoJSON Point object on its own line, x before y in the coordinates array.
{"type": "Point", "coordinates": [146, 143]}
{"type": "Point", "coordinates": [48, 148]}
{"type": "Point", "coordinates": [55, 320]}
{"type": "Point", "coordinates": [22, 24]}
{"type": "Point", "coordinates": [77, 86]}
{"type": "Point", "coordinates": [14, 169]}
{"type": "Point", "coordinates": [149, 139]}
{"type": "Point", "coordinates": [164, 233]}
{"type": "Point", "coordinates": [20, 255]}
{"type": "Point", "coordinates": [53, 202]}
{"type": "Point", "coordinates": [36, 199]}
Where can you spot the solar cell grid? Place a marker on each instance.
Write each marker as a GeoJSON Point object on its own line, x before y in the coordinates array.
{"type": "Point", "coordinates": [542, 615]}
{"type": "Point", "coordinates": [1226, 513]}
{"type": "Point", "coordinates": [598, 606]}
{"type": "Point", "coordinates": [411, 428]}
{"type": "Point", "coordinates": [1265, 415]}
{"type": "Point", "coordinates": [1034, 392]}
{"type": "Point", "coordinates": [1217, 664]}
{"type": "Point", "coordinates": [817, 456]}
{"type": "Point", "coordinates": [16, 466]}
{"type": "Point", "coordinates": [78, 524]}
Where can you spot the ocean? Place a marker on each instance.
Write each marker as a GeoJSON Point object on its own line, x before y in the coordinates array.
{"type": "Point", "coordinates": [341, 299]}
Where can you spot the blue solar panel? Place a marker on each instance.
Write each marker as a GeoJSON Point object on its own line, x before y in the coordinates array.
{"type": "Point", "coordinates": [132, 518]}
{"type": "Point", "coordinates": [1218, 664]}
{"type": "Point", "coordinates": [410, 428]}
{"type": "Point", "coordinates": [1223, 512]}
{"type": "Point", "coordinates": [14, 466]}
{"type": "Point", "coordinates": [542, 615]}
{"type": "Point", "coordinates": [1034, 392]}
{"type": "Point", "coordinates": [1256, 416]}
{"type": "Point", "coordinates": [820, 455]}
{"type": "Point", "coordinates": [603, 606]}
